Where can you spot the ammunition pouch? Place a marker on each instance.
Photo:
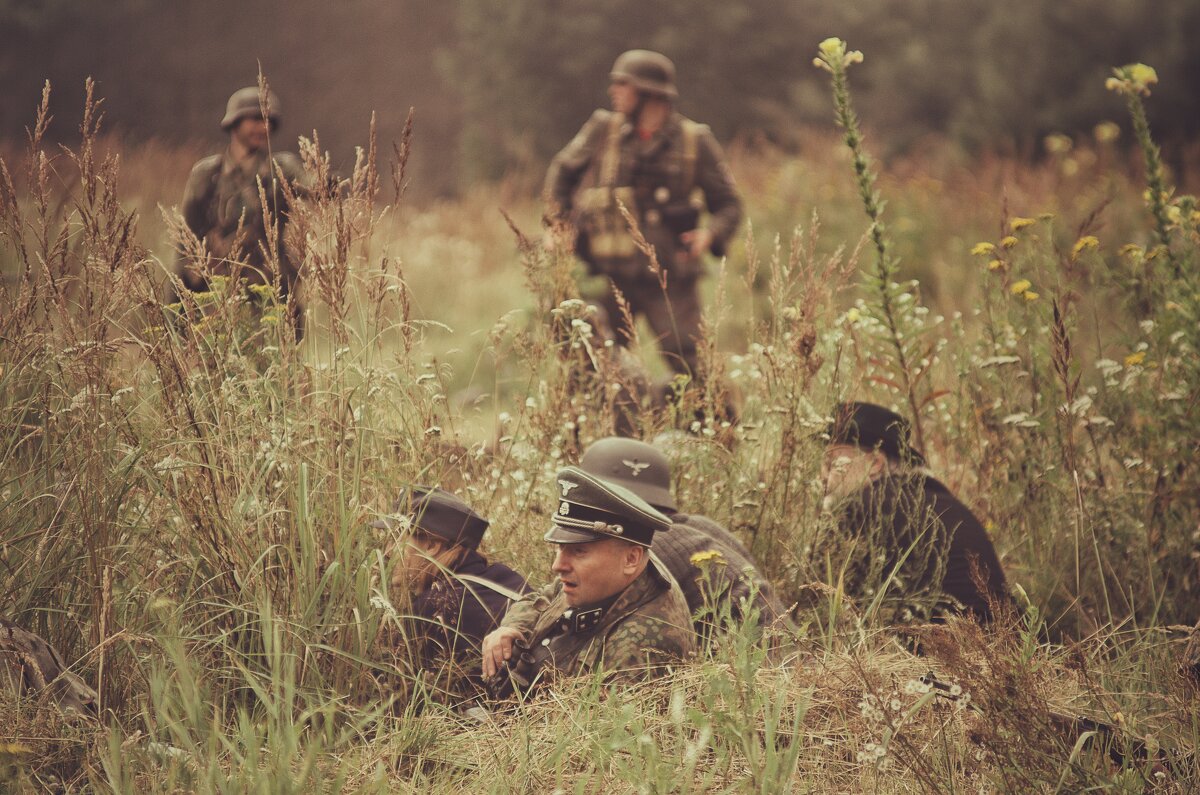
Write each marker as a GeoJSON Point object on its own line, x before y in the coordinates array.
{"type": "Point", "coordinates": [604, 235]}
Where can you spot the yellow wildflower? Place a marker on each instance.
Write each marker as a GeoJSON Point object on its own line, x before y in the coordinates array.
{"type": "Point", "coordinates": [1135, 358]}
{"type": "Point", "coordinates": [1057, 143]}
{"type": "Point", "coordinates": [1106, 132]}
{"type": "Point", "coordinates": [832, 47]}
{"type": "Point", "coordinates": [1085, 243]}
{"type": "Point", "coordinates": [1020, 223]}
{"type": "Point", "coordinates": [1143, 75]}
{"type": "Point", "coordinates": [982, 249]}
{"type": "Point", "coordinates": [853, 315]}
{"type": "Point", "coordinates": [712, 556]}
{"type": "Point", "coordinates": [1132, 251]}
{"type": "Point", "coordinates": [1030, 295]}
{"type": "Point", "coordinates": [1008, 242]}
{"type": "Point", "coordinates": [995, 265]}
{"type": "Point", "coordinates": [1020, 286]}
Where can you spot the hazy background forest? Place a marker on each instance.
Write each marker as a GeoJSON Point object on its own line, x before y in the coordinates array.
{"type": "Point", "coordinates": [185, 509]}
{"type": "Point", "coordinates": [498, 85]}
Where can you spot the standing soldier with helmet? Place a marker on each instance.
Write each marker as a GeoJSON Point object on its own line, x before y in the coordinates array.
{"type": "Point", "coordinates": [223, 208]}
{"type": "Point", "coordinates": [648, 158]}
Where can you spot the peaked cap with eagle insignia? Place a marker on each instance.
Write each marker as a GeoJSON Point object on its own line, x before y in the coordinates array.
{"type": "Point", "coordinates": [590, 508]}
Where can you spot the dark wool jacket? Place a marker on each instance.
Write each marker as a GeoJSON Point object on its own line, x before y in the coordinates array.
{"type": "Point", "coordinates": [899, 511]}
{"type": "Point", "coordinates": [452, 615]}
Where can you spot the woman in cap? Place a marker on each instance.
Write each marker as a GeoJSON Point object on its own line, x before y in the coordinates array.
{"type": "Point", "coordinates": [455, 595]}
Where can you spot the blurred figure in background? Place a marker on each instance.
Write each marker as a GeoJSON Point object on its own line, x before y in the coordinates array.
{"type": "Point", "coordinates": [653, 161]}
{"type": "Point", "coordinates": [223, 208]}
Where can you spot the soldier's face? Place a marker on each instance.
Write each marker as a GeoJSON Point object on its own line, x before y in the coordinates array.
{"type": "Point", "coordinates": [847, 468]}
{"type": "Point", "coordinates": [251, 132]}
{"type": "Point", "coordinates": [594, 571]}
{"type": "Point", "coordinates": [623, 95]}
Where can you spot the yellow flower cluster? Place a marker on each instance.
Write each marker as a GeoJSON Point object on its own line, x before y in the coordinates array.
{"type": "Point", "coordinates": [983, 249]}
{"type": "Point", "coordinates": [1085, 243]}
{"type": "Point", "coordinates": [1008, 242]}
{"type": "Point", "coordinates": [712, 556]}
{"type": "Point", "coordinates": [1132, 79]}
{"type": "Point", "coordinates": [1022, 287]}
{"type": "Point", "coordinates": [1019, 223]}
{"type": "Point", "coordinates": [833, 52]}
{"type": "Point", "coordinates": [1135, 358]}
{"type": "Point", "coordinates": [1106, 132]}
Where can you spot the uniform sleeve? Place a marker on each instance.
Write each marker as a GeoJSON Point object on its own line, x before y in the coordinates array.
{"type": "Point", "coordinates": [523, 615]}
{"type": "Point", "coordinates": [197, 195]}
{"type": "Point", "coordinates": [720, 193]}
{"type": "Point", "coordinates": [568, 166]}
{"type": "Point", "coordinates": [194, 206]}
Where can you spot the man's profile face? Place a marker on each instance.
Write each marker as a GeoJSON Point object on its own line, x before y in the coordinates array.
{"type": "Point", "coordinates": [593, 571]}
{"type": "Point", "coordinates": [251, 132]}
{"type": "Point", "coordinates": [623, 95]}
{"type": "Point", "coordinates": [847, 468]}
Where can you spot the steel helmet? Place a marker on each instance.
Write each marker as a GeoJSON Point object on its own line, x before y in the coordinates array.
{"type": "Point", "coordinates": [648, 71]}
{"type": "Point", "coordinates": [244, 103]}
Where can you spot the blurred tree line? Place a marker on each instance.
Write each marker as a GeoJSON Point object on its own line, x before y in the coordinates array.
{"type": "Point", "coordinates": [499, 85]}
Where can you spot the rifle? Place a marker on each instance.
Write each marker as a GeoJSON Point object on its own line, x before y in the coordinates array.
{"type": "Point", "coordinates": [1077, 726]}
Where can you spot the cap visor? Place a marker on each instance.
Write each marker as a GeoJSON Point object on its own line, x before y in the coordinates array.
{"type": "Point", "coordinates": [558, 534]}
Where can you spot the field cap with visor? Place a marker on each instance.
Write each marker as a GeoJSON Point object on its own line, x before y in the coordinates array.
{"type": "Point", "coordinates": [871, 427]}
{"type": "Point", "coordinates": [438, 513]}
{"type": "Point", "coordinates": [590, 509]}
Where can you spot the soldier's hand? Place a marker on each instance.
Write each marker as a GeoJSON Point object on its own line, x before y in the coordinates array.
{"type": "Point", "coordinates": [698, 241]}
{"type": "Point", "coordinates": [498, 649]}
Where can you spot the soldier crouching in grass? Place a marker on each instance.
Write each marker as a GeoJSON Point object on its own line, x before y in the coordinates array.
{"type": "Point", "coordinates": [717, 574]}
{"type": "Point", "coordinates": [906, 526]}
{"type": "Point", "coordinates": [238, 231]}
{"type": "Point", "coordinates": [456, 596]}
{"type": "Point", "coordinates": [614, 608]}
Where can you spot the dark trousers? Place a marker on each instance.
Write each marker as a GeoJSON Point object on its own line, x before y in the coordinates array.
{"type": "Point", "coordinates": [673, 315]}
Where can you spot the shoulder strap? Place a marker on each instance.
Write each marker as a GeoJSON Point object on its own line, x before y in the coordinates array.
{"type": "Point", "coordinates": [610, 161]}
{"type": "Point", "coordinates": [691, 138]}
{"type": "Point", "coordinates": [507, 593]}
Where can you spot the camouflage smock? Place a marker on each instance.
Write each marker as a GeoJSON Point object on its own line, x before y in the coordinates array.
{"type": "Point", "coordinates": [644, 630]}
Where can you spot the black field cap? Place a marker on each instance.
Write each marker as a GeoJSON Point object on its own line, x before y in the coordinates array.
{"type": "Point", "coordinates": [873, 427]}
{"type": "Point", "coordinates": [590, 509]}
{"type": "Point", "coordinates": [639, 467]}
{"type": "Point", "coordinates": [437, 512]}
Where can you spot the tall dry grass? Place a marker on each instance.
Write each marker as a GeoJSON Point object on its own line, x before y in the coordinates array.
{"type": "Point", "coordinates": [185, 507]}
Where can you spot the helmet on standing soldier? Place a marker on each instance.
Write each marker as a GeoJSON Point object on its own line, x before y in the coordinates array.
{"type": "Point", "coordinates": [648, 71]}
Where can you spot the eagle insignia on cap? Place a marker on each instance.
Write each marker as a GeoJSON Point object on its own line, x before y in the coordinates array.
{"type": "Point", "coordinates": [566, 486]}
{"type": "Point", "coordinates": [634, 466]}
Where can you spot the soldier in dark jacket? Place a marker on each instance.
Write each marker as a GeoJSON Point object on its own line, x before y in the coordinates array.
{"type": "Point", "coordinates": [716, 572]}
{"type": "Point", "coordinates": [613, 610]}
{"type": "Point", "coordinates": [223, 208]}
{"type": "Point", "coordinates": [907, 526]}
{"type": "Point", "coordinates": [456, 596]}
{"type": "Point", "coordinates": [654, 162]}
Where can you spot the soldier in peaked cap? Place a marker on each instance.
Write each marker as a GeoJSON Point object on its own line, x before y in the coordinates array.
{"type": "Point", "coordinates": [714, 569]}
{"type": "Point", "coordinates": [222, 206]}
{"type": "Point", "coordinates": [456, 596]}
{"type": "Point", "coordinates": [905, 524]}
{"type": "Point", "coordinates": [613, 608]}
{"type": "Point", "coordinates": [658, 164]}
